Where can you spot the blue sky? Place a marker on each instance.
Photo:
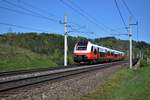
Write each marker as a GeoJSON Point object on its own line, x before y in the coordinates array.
{"type": "Point", "coordinates": [104, 13]}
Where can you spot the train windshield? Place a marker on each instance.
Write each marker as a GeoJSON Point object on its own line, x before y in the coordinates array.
{"type": "Point", "coordinates": [82, 45]}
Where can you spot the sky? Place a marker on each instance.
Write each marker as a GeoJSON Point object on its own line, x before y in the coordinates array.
{"type": "Point", "coordinates": [87, 18]}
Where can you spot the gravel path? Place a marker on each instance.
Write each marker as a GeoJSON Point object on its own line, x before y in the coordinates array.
{"type": "Point", "coordinates": [63, 89]}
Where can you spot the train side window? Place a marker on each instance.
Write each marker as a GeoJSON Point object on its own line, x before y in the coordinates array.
{"type": "Point", "coordinates": [92, 49]}
{"type": "Point", "coordinates": [98, 50]}
{"type": "Point", "coordinates": [112, 53]}
{"type": "Point", "coordinates": [108, 53]}
{"type": "Point", "coordinates": [95, 52]}
{"type": "Point", "coordinates": [102, 54]}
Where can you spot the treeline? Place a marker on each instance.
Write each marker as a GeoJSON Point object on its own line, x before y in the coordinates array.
{"type": "Point", "coordinates": [139, 48]}
{"type": "Point", "coordinates": [52, 45]}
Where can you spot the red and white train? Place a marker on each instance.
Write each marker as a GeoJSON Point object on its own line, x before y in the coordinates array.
{"type": "Point", "coordinates": [85, 51]}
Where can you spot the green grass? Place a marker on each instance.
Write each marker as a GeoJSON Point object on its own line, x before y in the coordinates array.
{"type": "Point", "coordinates": [124, 85]}
{"type": "Point", "coordinates": [14, 58]}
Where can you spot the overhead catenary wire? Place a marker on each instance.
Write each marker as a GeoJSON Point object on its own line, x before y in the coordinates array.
{"type": "Point", "coordinates": [74, 27]}
{"type": "Point", "coordinates": [77, 30]}
{"type": "Point", "coordinates": [91, 17]}
{"type": "Point", "coordinates": [21, 12]}
{"type": "Point", "coordinates": [125, 26]}
{"type": "Point", "coordinates": [76, 10]}
{"type": "Point", "coordinates": [119, 34]}
{"type": "Point", "coordinates": [38, 9]}
{"type": "Point", "coordinates": [77, 25]}
{"type": "Point", "coordinates": [37, 14]}
{"type": "Point", "coordinates": [83, 11]}
{"type": "Point", "coordinates": [88, 33]}
{"type": "Point", "coordinates": [42, 10]}
{"type": "Point", "coordinates": [22, 27]}
{"type": "Point", "coordinates": [78, 13]}
{"type": "Point", "coordinates": [127, 7]}
{"type": "Point", "coordinates": [29, 10]}
{"type": "Point", "coordinates": [131, 14]}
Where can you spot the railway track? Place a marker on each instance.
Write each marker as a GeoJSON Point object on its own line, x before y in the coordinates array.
{"type": "Point", "coordinates": [9, 73]}
{"type": "Point", "coordinates": [10, 81]}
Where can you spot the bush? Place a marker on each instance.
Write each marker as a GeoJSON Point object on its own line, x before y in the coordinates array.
{"type": "Point", "coordinates": [143, 63]}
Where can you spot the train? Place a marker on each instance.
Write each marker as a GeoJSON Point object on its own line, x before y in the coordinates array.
{"type": "Point", "coordinates": [87, 52]}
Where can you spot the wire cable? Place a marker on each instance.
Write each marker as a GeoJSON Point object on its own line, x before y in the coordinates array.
{"type": "Point", "coordinates": [81, 10]}
{"type": "Point", "coordinates": [90, 18]}
{"type": "Point", "coordinates": [23, 27]}
{"type": "Point", "coordinates": [41, 10]}
{"type": "Point", "coordinates": [20, 12]}
{"type": "Point", "coordinates": [127, 7]}
{"type": "Point", "coordinates": [74, 9]}
{"type": "Point", "coordinates": [121, 15]}
{"type": "Point", "coordinates": [37, 8]}
{"type": "Point", "coordinates": [28, 10]}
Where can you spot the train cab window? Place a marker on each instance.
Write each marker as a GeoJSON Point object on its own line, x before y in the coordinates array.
{"type": "Point", "coordinates": [81, 47]}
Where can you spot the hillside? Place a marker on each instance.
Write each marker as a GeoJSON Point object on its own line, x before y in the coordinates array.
{"type": "Point", "coordinates": [23, 50]}
{"type": "Point", "coordinates": [123, 45]}
{"type": "Point", "coordinates": [13, 58]}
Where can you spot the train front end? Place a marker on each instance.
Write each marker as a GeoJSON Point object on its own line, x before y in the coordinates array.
{"type": "Point", "coordinates": [81, 51]}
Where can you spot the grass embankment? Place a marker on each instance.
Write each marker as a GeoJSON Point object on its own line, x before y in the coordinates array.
{"type": "Point", "coordinates": [13, 58]}
{"type": "Point", "coordinates": [126, 84]}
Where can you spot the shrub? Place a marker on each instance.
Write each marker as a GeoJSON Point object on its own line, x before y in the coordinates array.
{"type": "Point", "coordinates": [143, 63]}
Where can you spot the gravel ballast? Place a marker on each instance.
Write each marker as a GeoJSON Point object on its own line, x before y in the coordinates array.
{"type": "Point", "coordinates": [64, 89]}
